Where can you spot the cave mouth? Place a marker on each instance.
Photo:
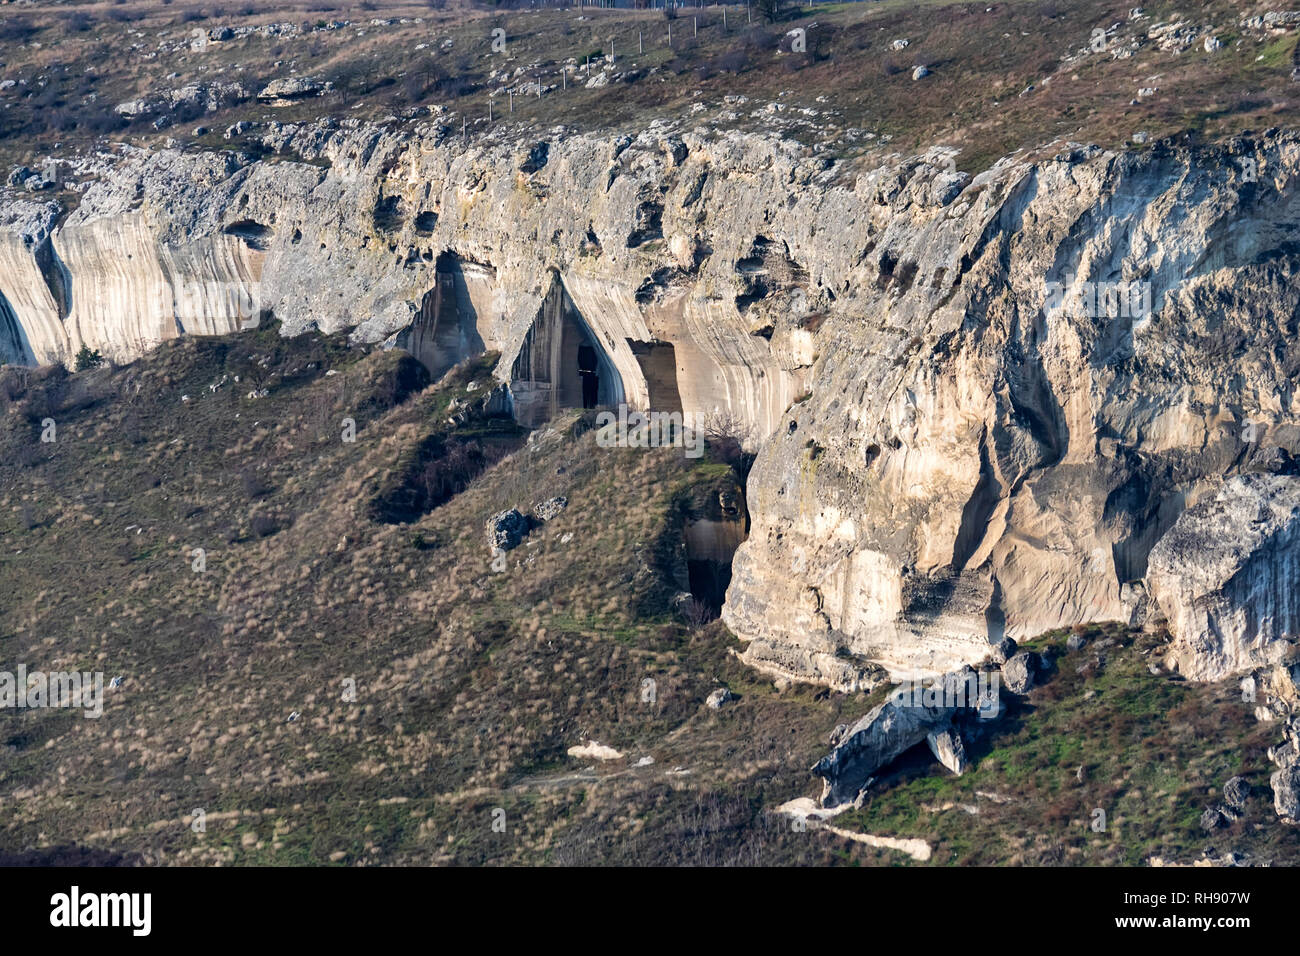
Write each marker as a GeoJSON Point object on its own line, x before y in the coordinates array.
{"type": "Point", "coordinates": [254, 234]}
{"type": "Point", "coordinates": [710, 542]}
{"type": "Point", "coordinates": [709, 580]}
{"type": "Point", "coordinates": [444, 331]}
{"type": "Point", "coordinates": [561, 364]}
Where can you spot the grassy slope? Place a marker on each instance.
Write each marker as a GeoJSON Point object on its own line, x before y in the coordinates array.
{"type": "Point", "coordinates": [984, 58]}
{"type": "Point", "coordinates": [472, 685]}
{"type": "Point", "coordinates": [1103, 734]}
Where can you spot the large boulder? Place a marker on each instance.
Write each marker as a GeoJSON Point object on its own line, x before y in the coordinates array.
{"type": "Point", "coordinates": [717, 698]}
{"type": "Point", "coordinates": [904, 720]}
{"type": "Point", "coordinates": [1286, 792]}
{"type": "Point", "coordinates": [290, 89]}
{"type": "Point", "coordinates": [1235, 793]}
{"type": "Point", "coordinates": [551, 508]}
{"type": "Point", "coordinates": [948, 749]}
{"type": "Point", "coordinates": [1019, 672]}
{"type": "Point", "coordinates": [506, 530]}
{"type": "Point", "coordinates": [1216, 575]}
{"type": "Point", "coordinates": [1285, 781]}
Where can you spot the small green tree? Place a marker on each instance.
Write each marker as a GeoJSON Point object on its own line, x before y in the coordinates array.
{"type": "Point", "coordinates": [770, 10]}
{"type": "Point", "coordinates": [86, 359]}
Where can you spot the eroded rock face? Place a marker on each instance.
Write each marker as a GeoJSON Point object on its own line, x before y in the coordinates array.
{"type": "Point", "coordinates": [909, 716]}
{"type": "Point", "coordinates": [656, 245]}
{"type": "Point", "coordinates": [979, 459]}
{"type": "Point", "coordinates": [949, 750]}
{"type": "Point", "coordinates": [1226, 577]}
{"type": "Point", "coordinates": [962, 436]}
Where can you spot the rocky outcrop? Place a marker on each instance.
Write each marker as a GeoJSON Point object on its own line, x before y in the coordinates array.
{"type": "Point", "coordinates": [987, 453]}
{"type": "Point", "coordinates": [978, 403]}
{"type": "Point", "coordinates": [1218, 576]}
{"type": "Point", "coordinates": [635, 242]}
{"type": "Point", "coordinates": [910, 715]}
{"type": "Point", "coordinates": [948, 749]}
{"type": "Point", "coordinates": [506, 530]}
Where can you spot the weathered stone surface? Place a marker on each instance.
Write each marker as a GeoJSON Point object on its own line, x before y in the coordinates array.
{"type": "Point", "coordinates": [551, 508]}
{"type": "Point", "coordinates": [506, 530]}
{"type": "Point", "coordinates": [976, 463]}
{"type": "Point", "coordinates": [1019, 672]}
{"type": "Point", "coordinates": [948, 749]}
{"type": "Point", "coordinates": [902, 721]}
{"type": "Point", "coordinates": [1216, 576]}
{"type": "Point", "coordinates": [970, 457]}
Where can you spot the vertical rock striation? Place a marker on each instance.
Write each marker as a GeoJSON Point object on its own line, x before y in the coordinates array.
{"type": "Point", "coordinates": [978, 403]}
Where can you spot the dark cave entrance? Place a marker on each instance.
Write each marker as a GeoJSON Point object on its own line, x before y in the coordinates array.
{"type": "Point", "coordinates": [589, 372]}
{"type": "Point", "coordinates": [561, 364]}
{"type": "Point", "coordinates": [445, 329]}
{"type": "Point", "coordinates": [709, 580]}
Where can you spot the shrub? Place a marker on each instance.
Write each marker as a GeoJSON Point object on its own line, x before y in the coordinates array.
{"type": "Point", "coordinates": [263, 526]}
{"type": "Point", "coordinates": [87, 359]}
{"type": "Point", "coordinates": [253, 484]}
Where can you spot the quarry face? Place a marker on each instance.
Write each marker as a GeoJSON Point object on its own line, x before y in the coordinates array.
{"type": "Point", "coordinates": [982, 407]}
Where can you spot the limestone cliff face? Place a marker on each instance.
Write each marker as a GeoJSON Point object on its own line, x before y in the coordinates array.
{"type": "Point", "coordinates": [1226, 575]}
{"type": "Point", "coordinates": [981, 457]}
{"type": "Point", "coordinates": [959, 439]}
